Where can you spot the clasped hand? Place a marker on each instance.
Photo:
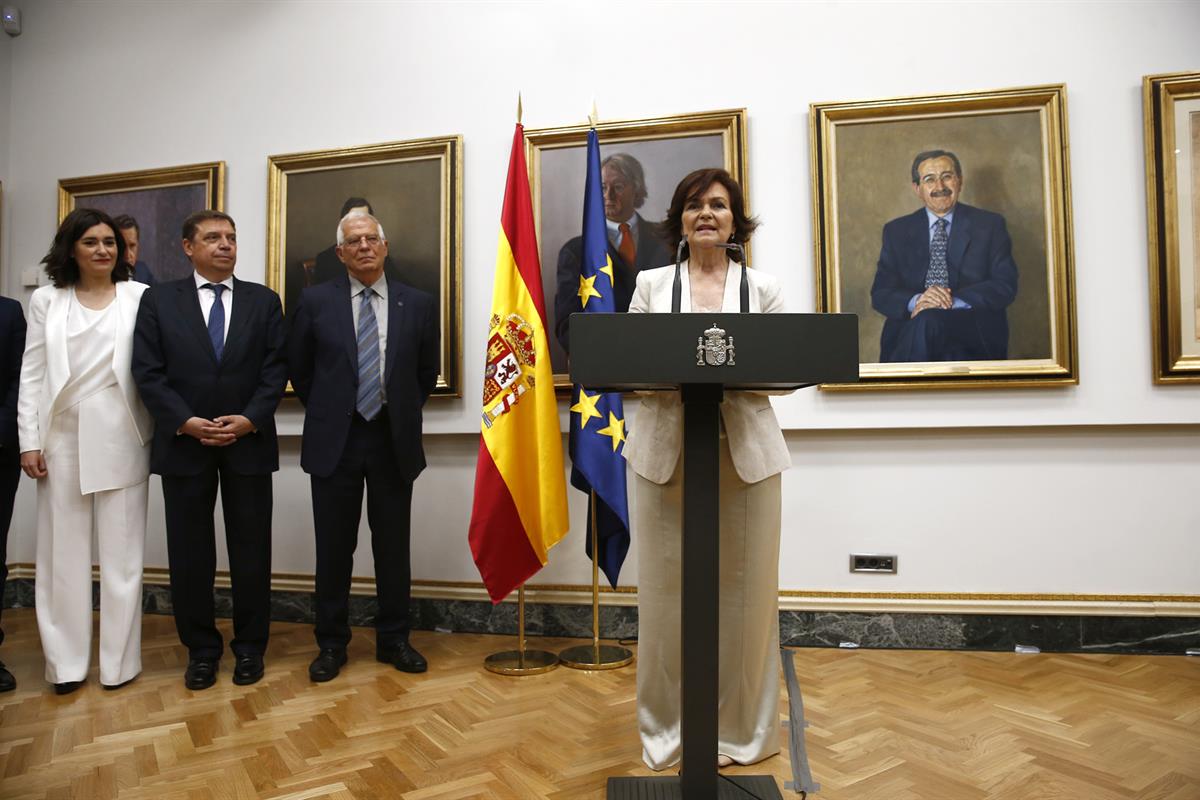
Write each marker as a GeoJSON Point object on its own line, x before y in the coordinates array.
{"type": "Point", "coordinates": [934, 297]}
{"type": "Point", "coordinates": [217, 432]}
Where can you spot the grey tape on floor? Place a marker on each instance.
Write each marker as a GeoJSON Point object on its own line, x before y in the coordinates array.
{"type": "Point", "coordinates": [802, 780]}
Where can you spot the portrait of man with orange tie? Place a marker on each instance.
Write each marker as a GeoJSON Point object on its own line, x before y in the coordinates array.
{"type": "Point", "coordinates": [633, 243]}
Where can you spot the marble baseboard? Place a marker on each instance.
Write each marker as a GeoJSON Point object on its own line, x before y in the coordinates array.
{"type": "Point", "coordinates": [997, 632]}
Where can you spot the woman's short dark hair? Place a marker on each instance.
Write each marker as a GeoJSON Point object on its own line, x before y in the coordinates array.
{"type": "Point", "coordinates": [60, 261]}
{"type": "Point", "coordinates": [696, 184]}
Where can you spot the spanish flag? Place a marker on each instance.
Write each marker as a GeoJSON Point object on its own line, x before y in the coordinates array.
{"type": "Point", "coordinates": [520, 507]}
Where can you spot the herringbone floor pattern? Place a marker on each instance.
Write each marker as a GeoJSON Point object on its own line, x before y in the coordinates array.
{"type": "Point", "coordinates": [900, 725]}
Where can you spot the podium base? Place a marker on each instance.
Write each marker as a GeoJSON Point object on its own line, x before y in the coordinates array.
{"type": "Point", "coordinates": [740, 787]}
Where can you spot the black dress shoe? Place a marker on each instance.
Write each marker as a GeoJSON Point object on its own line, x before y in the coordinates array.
{"type": "Point", "coordinates": [7, 681]}
{"type": "Point", "coordinates": [327, 665]}
{"type": "Point", "coordinates": [201, 673]}
{"type": "Point", "coordinates": [110, 687]}
{"type": "Point", "coordinates": [402, 656]}
{"type": "Point", "coordinates": [67, 687]}
{"type": "Point", "coordinates": [249, 669]}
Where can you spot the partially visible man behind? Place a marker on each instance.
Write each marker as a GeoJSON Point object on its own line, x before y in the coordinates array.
{"type": "Point", "coordinates": [363, 356]}
{"type": "Point", "coordinates": [945, 275]}
{"type": "Point", "coordinates": [208, 358]}
{"type": "Point", "coordinates": [131, 232]}
{"type": "Point", "coordinates": [633, 243]}
{"type": "Point", "coordinates": [325, 266]}
{"type": "Point", "coordinates": [12, 346]}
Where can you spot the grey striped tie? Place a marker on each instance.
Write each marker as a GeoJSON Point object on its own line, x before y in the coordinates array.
{"type": "Point", "coordinates": [938, 274]}
{"type": "Point", "coordinates": [370, 390]}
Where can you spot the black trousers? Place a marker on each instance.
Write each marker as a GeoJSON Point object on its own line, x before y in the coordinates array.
{"type": "Point", "coordinates": [10, 477]}
{"type": "Point", "coordinates": [368, 459]}
{"type": "Point", "coordinates": [191, 551]}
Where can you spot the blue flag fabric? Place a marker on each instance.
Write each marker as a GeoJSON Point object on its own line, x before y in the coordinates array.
{"type": "Point", "coordinates": [598, 420]}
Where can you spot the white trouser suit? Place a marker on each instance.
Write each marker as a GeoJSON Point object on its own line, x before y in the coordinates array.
{"type": "Point", "coordinates": [75, 407]}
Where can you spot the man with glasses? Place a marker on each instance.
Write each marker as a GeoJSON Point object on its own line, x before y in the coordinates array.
{"type": "Point", "coordinates": [363, 354]}
{"type": "Point", "coordinates": [208, 358]}
{"type": "Point", "coordinates": [633, 243]}
{"type": "Point", "coordinates": [946, 273]}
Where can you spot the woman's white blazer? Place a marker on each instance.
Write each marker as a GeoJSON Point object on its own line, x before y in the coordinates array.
{"type": "Point", "coordinates": [655, 441]}
{"type": "Point", "coordinates": [45, 369]}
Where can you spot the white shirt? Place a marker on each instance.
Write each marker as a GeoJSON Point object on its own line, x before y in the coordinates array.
{"type": "Point", "coordinates": [207, 295]}
{"type": "Point", "coordinates": [379, 302]}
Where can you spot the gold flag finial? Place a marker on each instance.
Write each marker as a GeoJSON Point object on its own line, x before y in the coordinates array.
{"type": "Point", "coordinates": [594, 117]}
{"type": "Point", "coordinates": [518, 108]}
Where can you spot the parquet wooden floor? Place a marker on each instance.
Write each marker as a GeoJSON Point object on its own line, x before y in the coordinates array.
{"type": "Point", "coordinates": [900, 725]}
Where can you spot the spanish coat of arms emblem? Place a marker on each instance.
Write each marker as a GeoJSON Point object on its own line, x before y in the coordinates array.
{"type": "Point", "coordinates": [714, 348]}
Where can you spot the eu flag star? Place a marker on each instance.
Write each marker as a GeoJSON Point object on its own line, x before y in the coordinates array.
{"type": "Point", "coordinates": [615, 429]}
{"type": "Point", "coordinates": [586, 290]}
{"type": "Point", "coordinates": [586, 408]}
{"type": "Point", "coordinates": [607, 269]}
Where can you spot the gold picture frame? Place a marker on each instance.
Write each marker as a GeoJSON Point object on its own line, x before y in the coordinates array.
{"type": "Point", "coordinates": [159, 199]}
{"type": "Point", "coordinates": [1015, 237]}
{"type": "Point", "coordinates": [665, 148]}
{"type": "Point", "coordinates": [415, 189]}
{"type": "Point", "coordinates": [1171, 117]}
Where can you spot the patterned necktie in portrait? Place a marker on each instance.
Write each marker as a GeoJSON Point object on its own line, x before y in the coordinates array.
{"type": "Point", "coordinates": [370, 395]}
{"type": "Point", "coordinates": [216, 319]}
{"type": "Point", "coordinates": [627, 248]}
{"type": "Point", "coordinates": [938, 274]}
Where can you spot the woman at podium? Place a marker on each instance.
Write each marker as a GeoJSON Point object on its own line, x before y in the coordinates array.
{"type": "Point", "coordinates": [708, 214]}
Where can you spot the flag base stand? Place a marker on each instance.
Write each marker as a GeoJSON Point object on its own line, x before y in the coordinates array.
{"type": "Point", "coordinates": [595, 656]}
{"type": "Point", "coordinates": [521, 661]}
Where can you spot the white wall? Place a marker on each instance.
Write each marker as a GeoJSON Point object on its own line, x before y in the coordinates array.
{"type": "Point", "coordinates": [1043, 507]}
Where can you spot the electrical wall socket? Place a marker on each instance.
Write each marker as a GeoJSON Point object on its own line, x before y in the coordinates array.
{"type": "Point", "coordinates": [874, 562]}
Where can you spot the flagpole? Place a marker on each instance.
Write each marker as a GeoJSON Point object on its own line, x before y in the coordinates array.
{"type": "Point", "coordinates": [521, 661]}
{"type": "Point", "coordinates": [595, 655]}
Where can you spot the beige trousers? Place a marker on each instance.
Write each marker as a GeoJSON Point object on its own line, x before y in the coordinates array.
{"type": "Point", "coordinates": [748, 661]}
{"type": "Point", "coordinates": [63, 588]}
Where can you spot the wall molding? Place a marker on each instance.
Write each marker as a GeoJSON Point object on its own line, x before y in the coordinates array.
{"type": "Point", "coordinates": [789, 599]}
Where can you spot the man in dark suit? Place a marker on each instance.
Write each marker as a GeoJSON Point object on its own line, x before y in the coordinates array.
{"type": "Point", "coordinates": [945, 275]}
{"type": "Point", "coordinates": [363, 356]}
{"type": "Point", "coordinates": [633, 243]}
{"type": "Point", "coordinates": [208, 358]}
{"type": "Point", "coordinates": [12, 348]}
{"type": "Point", "coordinates": [131, 232]}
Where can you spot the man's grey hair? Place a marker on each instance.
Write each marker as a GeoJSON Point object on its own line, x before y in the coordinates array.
{"type": "Point", "coordinates": [631, 168]}
{"type": "Point", "coordinates": [358, 212]}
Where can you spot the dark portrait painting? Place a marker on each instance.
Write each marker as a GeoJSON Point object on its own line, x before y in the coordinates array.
{"type": "Point", "coordinates": [943, 223]}
{"type": "Point", "coordinates": [412, 188]}
{"type": "Point", "coordinates": [641, 163]}
{"type": "Point", "coordinates": [159, 200]}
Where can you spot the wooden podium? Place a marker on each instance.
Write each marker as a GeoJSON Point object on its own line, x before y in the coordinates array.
{"type": "Point", "coordinates": [702, 355]}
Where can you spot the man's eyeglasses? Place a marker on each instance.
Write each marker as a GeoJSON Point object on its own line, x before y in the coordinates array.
{"type": "Point", "coordinates": [354, 241]}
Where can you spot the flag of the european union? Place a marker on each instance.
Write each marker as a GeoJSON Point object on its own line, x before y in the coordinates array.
{"type": "Point", "coordinates": [598, 420]}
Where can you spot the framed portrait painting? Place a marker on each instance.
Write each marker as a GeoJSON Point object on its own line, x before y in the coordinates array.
{"type": "Point", "coordinates": [157, 201]}
{"type": "Point", "coordinates": [641, 163]}
{"type": "Point", "coordinates": [414, 189]}
{"type": "Point", "coordinates": [1171, 105]}
{"type": "Point", "coordinates": [944, 223]}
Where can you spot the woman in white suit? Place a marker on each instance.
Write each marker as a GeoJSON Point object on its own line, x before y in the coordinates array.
{"type": "Point", "coordinates": [708, 211]}
{"type": "Point", "coordinates": [85, 437]}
